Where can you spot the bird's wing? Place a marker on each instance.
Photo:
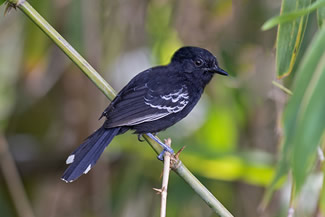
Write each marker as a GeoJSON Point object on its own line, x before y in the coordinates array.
{"type": "Point", "coordinates": [146, 103]}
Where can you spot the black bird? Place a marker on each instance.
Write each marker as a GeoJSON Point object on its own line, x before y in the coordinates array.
{"type": "Point", "coordinates": [152, 101]}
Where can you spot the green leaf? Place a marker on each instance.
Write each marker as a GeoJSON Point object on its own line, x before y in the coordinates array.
{"type": "Point", "coordinates": [304, 116]}
{"type": "Point", "coordinates": [321, 16]}
{"type": "Point", "coordinates": [2, 1]}
{"type": "Point", "coordinates": [287, 17]}
{"type": "Point", "coordinates": [290, 35]}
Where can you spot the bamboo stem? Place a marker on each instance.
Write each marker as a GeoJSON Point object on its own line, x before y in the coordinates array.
{"type": "Point", "coordinates": [85, 67]}
{"type": "Point", "coordinates": [200, 189]}
{"type": "Point", "coordinates": [13, 180]}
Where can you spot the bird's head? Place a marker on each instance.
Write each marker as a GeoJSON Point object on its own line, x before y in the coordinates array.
{"type": "Point", "coordinates": [197, 61]}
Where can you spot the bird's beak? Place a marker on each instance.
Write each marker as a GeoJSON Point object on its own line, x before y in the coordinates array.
{"type": "Point", "coordinates": [219, 70]}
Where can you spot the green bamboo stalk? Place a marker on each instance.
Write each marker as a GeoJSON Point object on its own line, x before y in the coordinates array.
{"type": "Point", "coordinates": [201, 190]}
{"type": "Point", "coordinates": [110, 93]}
{"type": "Point", "coordinates": [13, 180]}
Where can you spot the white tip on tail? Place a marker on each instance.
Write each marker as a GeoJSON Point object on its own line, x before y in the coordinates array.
{"type": "Point", "coordinates": [88, 168]}
{"type": "Point", "coordinates": [70, 159]}
{"type": "Point", "coordinates": [66, 180]}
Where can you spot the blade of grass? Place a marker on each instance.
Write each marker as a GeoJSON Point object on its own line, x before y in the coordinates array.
{"type": "Point", "coordinates": [13, 181]}
{"type": "Point", "coordinates": [290, 36]}
{"type": "Point", "coordinates": [287, 17]}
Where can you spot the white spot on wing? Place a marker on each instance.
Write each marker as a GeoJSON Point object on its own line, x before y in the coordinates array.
{"type": "Point", "coordinates": [88, 168]}
{"type": "Point", "coordinates": [179, 100]}
{"type": "Point", "coordinates": [170, 109]}
{"type": "Point", "coordinates": [174, 97]}
{"type": "Point", "coordinates": [70, 159]}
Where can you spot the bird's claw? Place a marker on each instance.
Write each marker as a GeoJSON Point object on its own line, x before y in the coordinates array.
{"type": "Point", "coordinates": [161, 155]}
{"type": "Point", "coordinates": [139, 138]}
{"type": "Point", "coordinates": [163, 145]}
{"type": "Point", "coordinates": [167, 148]}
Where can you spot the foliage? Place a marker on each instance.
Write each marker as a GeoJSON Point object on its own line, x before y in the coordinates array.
{"type": "Point", "coordinates": [304, 115]}
{"type": "Point", "coordinates": [291, 16]}
{"type": "Point", "coordinates": [305, 108]}
{"type": "Point", "coordinates": [321, 16]}
{"type": "Point", "coordinates": [289, 38]}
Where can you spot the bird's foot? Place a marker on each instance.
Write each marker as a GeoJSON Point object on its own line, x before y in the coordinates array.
{"type": "Point", "coordinates": [161, 155]}
{"type": "Point", "coordinates": [163, 145]}
{"type": "Point", "coordinates": [167, 144]}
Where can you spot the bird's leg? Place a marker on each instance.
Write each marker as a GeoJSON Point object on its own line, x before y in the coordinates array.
{"type": "Point", "coordinates": [165, 147]}
{"type": "Point", "coordinates": [140, 136]}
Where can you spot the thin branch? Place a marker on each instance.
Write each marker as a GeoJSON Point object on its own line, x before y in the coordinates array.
{"type": "Point", "coordinates": [318, 210]}
{"type": "Point", "coordinates": [291, 209]}
{"type": "Point", "coordinates": [86, 68]}
{"type": "Point", "coordinates": [163, 190]}
{"type": "Point", "coordinates": [13, 180]}
{"type": "Point", "coordinates": [164, 185]}
{"type": "Point", "coordinates": [281, 87]}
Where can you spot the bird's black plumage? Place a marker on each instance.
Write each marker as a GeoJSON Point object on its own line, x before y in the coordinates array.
{"type": "Point", "coordinates": [152, 101]}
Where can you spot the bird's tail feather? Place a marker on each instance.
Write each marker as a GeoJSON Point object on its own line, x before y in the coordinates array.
{"type": "Point", "coordinates": [87, 154]}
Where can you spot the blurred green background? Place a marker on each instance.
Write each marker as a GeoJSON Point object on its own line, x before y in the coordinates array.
{"type": "Point", "coordinates": [47, 106]}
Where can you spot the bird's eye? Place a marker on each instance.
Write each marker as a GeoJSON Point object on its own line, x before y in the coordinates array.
{"type": "Point", "coordinates": [198, 62]}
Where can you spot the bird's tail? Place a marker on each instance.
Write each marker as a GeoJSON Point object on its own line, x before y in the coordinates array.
{"type": "Point", "coordinates": [87, 154]}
